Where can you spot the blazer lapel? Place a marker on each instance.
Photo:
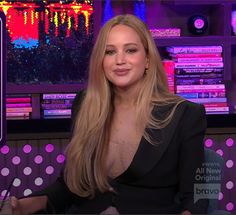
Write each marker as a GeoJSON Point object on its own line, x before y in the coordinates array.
{"type": "Point", "coordinates": [148, 155]}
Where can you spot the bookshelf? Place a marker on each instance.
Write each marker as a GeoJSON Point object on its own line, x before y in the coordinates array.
{"type": "Point", "coordinates": [175, 13]}
{"type": "Point", "coordinates": [161, 14]}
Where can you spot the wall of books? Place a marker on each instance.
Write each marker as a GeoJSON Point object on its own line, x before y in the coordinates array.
{"type": "Point", "coordinates": [197, 74]}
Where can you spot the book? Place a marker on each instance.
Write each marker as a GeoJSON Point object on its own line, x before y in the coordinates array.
{"type": "Point", "coordinates": [57, 101]}
{"type": "Point", "coordinates": [18, 100]}
{"type": "Point", "coordinates": [59, 96]}
{"type": "Point", "coordinates": [217, 112]}
{"type": "Point", "coordinates": [12, 114]}
{"type": "Point", "coordinates": [165, 32]}
{"type": "Point", "coordinates": [57, 112]}
{"type": "Point", "coordinates": [200, 90]}
{"type": "Point", "coordinates": [194, 49]}
{"type": "Point", "coordinates": [18, 105]}
{"type": "Point", "coordinates": [199, 87]}
{"type": "Point", "coordinates": [208, 100]}
{"type": "Point", "coordinates": [55, 106]}
{"type": "Point", "coordinates": [200, 65]}
{"type": "Point", "coordinates": [221, 104]}
{"type": "Point", "coordinates": [56, 116]}
{"type": "Point", "coordinates": [201, 75]}
{"type": "Point", "coordinates": [18, 117]}
{"type": "Point", "coordinates": [198, 70]}
{"type": "Point", "coordinates": [202, 95]}
{"type": "Point", "coordinates": [19, 109]}
{"type": "Point", "coordinates": [198, 81]}
{"type": "Point", "coordinates": [24, 95]}
{"type": "Point", "coordinates": [198, 60]}
{"type": "Point", "coordinates": [211, 109]}
{"type": "Point", "coordinates": [198, 55]}
{"type": "Point", "coordinates": [169, 66]}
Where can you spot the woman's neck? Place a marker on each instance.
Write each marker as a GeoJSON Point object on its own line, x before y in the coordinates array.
{"type": "Point", "coordinates": [125, 98]}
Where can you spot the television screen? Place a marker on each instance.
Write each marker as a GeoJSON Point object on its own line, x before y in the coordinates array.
{"type": "Point", "coordinates": [48, 42]}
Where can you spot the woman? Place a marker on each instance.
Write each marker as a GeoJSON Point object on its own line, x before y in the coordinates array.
{"type": "Point", "coordinates": [135, 147]}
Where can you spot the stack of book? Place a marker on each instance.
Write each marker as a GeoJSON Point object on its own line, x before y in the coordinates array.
{"type": "Point", "coordinates": [199, 76]}
{"type": "Point", "coordinates": [18, 106]}
{"type": "Point", "coordinates": [57, 105]}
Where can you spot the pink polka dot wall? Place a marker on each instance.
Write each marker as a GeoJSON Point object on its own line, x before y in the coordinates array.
{"type": "Point", "coordinates": [225, 146]}
{"type": "Point", "coordinates": [37, 163]}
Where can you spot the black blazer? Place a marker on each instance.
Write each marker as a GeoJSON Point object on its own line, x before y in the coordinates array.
{"type": "Point", "coordinates": [160, 179]}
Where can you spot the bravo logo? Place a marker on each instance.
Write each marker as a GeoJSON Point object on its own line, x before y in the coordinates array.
{"type": "Point", "coordinates": [206, 191]}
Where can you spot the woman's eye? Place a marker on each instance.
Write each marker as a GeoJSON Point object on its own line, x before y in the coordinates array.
{"type": "Point", "coordinates": [109, 52]}
{"type": "Point", "coordinates": [132, 50]}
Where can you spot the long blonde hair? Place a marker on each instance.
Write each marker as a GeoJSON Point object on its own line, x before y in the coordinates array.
{"type": "Point", "coordinates": [85, 170]}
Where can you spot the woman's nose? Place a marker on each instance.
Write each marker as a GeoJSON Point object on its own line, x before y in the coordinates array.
{"type": "Point", "coordinates": [120, 58]}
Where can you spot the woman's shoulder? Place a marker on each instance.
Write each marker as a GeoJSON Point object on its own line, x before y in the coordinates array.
{"type": "Point", "coordinates": [192, 107]}
{"type": "Point", "coordinates": [185, 107]}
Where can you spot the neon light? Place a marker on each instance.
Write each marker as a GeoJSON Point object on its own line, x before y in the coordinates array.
{"type": "Point", "coordinates": [23, 19]}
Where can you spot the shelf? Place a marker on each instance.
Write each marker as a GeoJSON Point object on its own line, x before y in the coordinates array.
{"type": "Point", "coordinates": [201, 40]}
{"type": "Point", "coordinates": [194, 2]}
{"type": "Point", "coordinates": [233, 40]}
{"type": "Point", "coordinates": [38, 126]}
{"type": "Point", "coordinates": [44, 88]}
{"type": "Point", "coordinates": [181, 41]}
{"type": "Point", "coordinates": [64, 125]}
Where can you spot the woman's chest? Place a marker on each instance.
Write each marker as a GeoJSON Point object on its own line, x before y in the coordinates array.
{"type": "Point", "coordinates": [125, 138]}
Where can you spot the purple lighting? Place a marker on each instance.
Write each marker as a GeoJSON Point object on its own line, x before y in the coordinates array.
{"type": "Point", "coordinates": [199, 23]}
{"type": "Point", "coordinates": [230, 206]}
{"type": "Point", "coordinates": [49, 170]}
{"type": "Point", "coordinates": [60, 158]}
{"type": "Point", "coordinates": [38, 159]}
{"type": "Point", "coordinates": [16, 160]}
{"type": "Point", "coordinates": [27, 148]}
{"type": "Point", "coordinates": [229, 142]}
{"type": "Point", "coordinates": [5, 149]}
{"type": "Point", "coordinates": [208, 143]}
{"type": "Point", "coordinates": [49, 148]}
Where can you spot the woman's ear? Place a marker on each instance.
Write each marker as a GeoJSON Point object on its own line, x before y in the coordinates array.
{"type": "Point", "coordinates": [147, 63]}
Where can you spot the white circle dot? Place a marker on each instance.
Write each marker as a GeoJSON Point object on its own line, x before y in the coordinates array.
{"type": "Point", "coordinates": [3, 193]}
{"type": "Point", "coordinates": [220, 152]}
{"type": "Point", "coordinates": [38, 181]}
{"type": "Point", "coordinates": [27, 192]}
{"type": "Point", "coordinates": [229, 185]}
{"type": "Point", "coordinates": [5, 171]}
{"type": "Point", "coordinates": [229, 163]}
{"type": "Point", "coordinates": [221, 196]}
{"type": "Point", "coordinates": [27, 170]}
{"type": "Point", "coordinates": [16, 160]}
{"type": "Point", "coordinates": [38, 159]}
{"type": "Point", "coordinates": [49, 170]}
{"type": "Point", "coordinates": [17, 182]}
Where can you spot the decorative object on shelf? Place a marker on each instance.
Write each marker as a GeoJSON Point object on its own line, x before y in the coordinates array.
{"type": "Point", "coordinates": [197, 24]}
{"type": "Point", "coordinates": [233, 21]}
{"type": "Point", "coordinates": [140, 9]}
{"type": "Point", "coordinates": [108, 12]}
{"type": "Point", "coordinates": [165, 32]}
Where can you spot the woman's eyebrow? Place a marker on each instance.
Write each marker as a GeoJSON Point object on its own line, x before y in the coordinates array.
{"type": "Point", "coordinates": [126, 44]}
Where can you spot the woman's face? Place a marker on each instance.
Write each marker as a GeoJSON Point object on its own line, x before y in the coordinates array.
{"type": "Point", "coordinates": [125, 58]}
